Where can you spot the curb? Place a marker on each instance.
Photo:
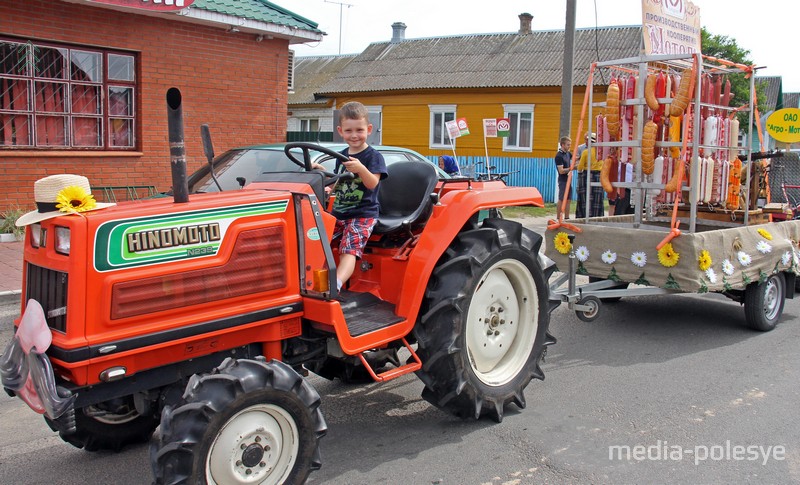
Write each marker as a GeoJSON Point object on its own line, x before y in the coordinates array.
{"type": "Point", "coordinates": [10, 297]}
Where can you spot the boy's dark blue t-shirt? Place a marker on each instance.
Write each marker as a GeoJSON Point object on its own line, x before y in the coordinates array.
{"type": "Point", "coordinates": [353, 198]}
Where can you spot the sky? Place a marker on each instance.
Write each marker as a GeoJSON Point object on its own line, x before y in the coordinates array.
{"type": "Point", "coordinates": [767, 31]}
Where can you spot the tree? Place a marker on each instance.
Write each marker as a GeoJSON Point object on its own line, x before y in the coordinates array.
{"type": "Point", "coordinates": [725, 47]}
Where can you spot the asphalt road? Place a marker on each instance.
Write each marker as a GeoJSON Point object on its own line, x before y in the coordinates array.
{"type": "Point", "coordinates": [675, 387]}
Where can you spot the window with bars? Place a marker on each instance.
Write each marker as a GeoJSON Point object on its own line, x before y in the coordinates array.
{"type": "Point", "coordinates": [521, 118]}
{"type": "Point", "coordinates": [66, 97]}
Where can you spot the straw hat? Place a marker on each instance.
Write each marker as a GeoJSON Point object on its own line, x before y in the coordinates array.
{"type": "Point", "coordinates": [593, 136]}
{"type": "Point", "coordinates": [61, 194]}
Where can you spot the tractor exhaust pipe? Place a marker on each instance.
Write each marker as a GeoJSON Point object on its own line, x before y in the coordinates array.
{"type": "Point", "coordinates": [177, 150]}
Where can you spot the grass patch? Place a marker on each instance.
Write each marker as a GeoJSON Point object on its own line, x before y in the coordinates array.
{"type": "Point", "coordinates": [519, 212]}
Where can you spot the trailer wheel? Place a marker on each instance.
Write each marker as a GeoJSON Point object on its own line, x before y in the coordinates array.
{"type": "Point", "coordinates": [97, 430]}
{"type": "Point", "coordinates": [763, 303]}
{"type": "Point", "coordinates": [594, 311]}
{"type": "Point", "coordinates": [482, 333]}
{"type": "Point", "coordinates": [248, 422]}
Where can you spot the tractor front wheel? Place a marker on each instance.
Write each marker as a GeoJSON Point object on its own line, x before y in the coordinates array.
{"type": "Point", "coordinates": [248, 422]}
{"type": "Point", "coordinates": [483, 329]}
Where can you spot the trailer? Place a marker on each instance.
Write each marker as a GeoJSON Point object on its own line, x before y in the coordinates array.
{"type": "Point", "coordinates": [669, 138]}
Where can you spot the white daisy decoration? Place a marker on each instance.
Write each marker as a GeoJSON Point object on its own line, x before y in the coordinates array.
{"type": "Point", "coordinates": [727, 267]}
{"type": "Point", "coordinates": [744, 258]}
{"type": "Point", "coordinates": [796, 257]}
{"type": "Point", "coordinates": [763, 247]}
{"type": "Point", "coordinates": [639, 259]}
{"type": "Point", "coordinates": [786, 258]}
{"type": "Point", "coordinates": [609, 257]}
{"type": "Point", "coordinates": [582, 253]}
{"type": "Point", "coordinates": [711, 275]}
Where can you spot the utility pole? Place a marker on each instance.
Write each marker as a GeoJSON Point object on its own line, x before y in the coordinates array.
{"type": "Point", "coordinates": [340, 4]}
{"type": "Point", "coordinates": [567, 70]}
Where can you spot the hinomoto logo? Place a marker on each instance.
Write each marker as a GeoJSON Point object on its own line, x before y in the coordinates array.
{"type": "Point", "coordinates": [145, 241]}
{"type": "Point", "coordinates": [172, 237]}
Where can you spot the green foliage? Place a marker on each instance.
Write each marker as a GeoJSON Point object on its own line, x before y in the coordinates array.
{"type": "Point", "coordinates": [725, 47]}
{"type": "Point", "coordinates": [8, 222]}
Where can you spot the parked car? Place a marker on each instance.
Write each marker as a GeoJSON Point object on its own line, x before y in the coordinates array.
{"type": "Point", "coordinates": [243, 165]}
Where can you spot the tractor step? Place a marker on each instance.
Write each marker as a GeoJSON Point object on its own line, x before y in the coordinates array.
{"type": "Point", "coordinates": [411, 366]}
{"type": "Point", "coordinates": [365, 312]}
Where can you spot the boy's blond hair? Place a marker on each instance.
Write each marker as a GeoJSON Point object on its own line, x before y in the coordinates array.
{"type": "Point", "coordinates": [353, 111]}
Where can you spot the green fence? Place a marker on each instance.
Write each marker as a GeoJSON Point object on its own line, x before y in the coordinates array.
{"type": "Point", "coordinates": [524, 172]}
{"type": "Point", "coordinates": [310, 136]}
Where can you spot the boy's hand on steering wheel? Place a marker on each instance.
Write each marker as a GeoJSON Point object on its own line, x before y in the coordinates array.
{"type": "Point", "coordinates": [354, 166]}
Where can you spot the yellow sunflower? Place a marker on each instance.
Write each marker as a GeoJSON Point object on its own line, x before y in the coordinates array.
{"type": "Point", "coordinates": [704, 260]}
{"type": "Point", "coordinates": [74, 199]}
{"type": "Point", "coordinates": [765, 234]}
{"type": "Point", "coordinates": [667, 256]}
{"type": "Point", "coordinates": [562, 243]}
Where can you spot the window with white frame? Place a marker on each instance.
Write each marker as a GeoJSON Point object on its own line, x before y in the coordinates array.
{"type": "Point", "coordinates": [440, 115]}
{"type": "Point", "coordinates": [66, 97]}
{"type": "Point", "coordinates": [521, 118]}
{"type": "Point", "coordinates": [309, 125]}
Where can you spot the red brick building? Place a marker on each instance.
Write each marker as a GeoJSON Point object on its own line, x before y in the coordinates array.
{"type": "Point", "coordinates": [83, 85]}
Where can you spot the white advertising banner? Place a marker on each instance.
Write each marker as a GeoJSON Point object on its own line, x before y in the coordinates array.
{"type": "Point", "coordinates": [670, 27]}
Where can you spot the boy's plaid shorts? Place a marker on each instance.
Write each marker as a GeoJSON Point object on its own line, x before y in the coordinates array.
{"type": "Point", "coordinates": [354, 234]}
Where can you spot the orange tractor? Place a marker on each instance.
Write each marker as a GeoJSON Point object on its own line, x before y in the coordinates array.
{"type": "Point", "coordinates": [200, 316]}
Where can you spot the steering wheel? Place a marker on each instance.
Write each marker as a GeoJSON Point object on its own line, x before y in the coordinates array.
{"type": "Point", "coordinates": [306, 147]}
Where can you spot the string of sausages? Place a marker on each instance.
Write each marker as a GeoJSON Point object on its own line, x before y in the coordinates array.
{"type": "Point", "coordinates": [668, 94]}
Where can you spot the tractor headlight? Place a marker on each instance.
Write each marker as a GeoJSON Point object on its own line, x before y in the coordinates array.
{"type": "Point", "coordinates": [62, 240]}
{"type": "Point", "coordinates": [35, 231]}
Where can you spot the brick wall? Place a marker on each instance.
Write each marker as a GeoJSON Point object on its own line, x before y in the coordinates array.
{"type": "Point", "coordinates": [231, 82]}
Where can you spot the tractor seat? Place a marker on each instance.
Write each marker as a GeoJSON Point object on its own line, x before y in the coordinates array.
{"type": "Point", "coordinates": [406, 196]}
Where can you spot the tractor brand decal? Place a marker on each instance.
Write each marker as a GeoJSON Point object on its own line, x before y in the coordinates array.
{"type": "Point", "coordinates": [144, 241]}
{"type": "Point", "coordinates": [153, 5]}
{"type": "Point", "coordinates": [171, 237]}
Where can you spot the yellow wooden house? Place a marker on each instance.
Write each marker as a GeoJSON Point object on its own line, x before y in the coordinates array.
{"type": "Point", "coordinates": [413, 86]}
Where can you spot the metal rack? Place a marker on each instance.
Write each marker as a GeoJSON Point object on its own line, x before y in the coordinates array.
{"type": "Point", "coordinates": [639, 186]}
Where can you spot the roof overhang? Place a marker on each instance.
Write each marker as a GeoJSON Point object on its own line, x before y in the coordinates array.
{"type": "Point", "coordinates": [200, 16]}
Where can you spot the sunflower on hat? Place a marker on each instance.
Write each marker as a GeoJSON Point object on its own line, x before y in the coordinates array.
{"type": "Point", "coordinates": [61, 194]}
{"type": "Point", "coordinates": [74, 199]}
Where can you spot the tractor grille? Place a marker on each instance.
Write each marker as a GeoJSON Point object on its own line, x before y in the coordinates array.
{"type": "Point", "coordinates": [49, 288]}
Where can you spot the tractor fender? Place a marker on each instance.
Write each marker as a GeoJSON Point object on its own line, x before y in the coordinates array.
{"type": "Point", "coordinates": [450, 215]}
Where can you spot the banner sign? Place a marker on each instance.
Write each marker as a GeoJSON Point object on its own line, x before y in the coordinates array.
{"type": "Point", "coordinates": [490, 127]}
{"type": "Point", "coordinates": [670, 27]}
{"type": "Point", "coordinates": [784, 125]}
{"type": "Point", "coordinates": [452, 129]}
{"type": "Point", "coordinates": [153, 5]}
{"type": "Point", "coordinates": [457, 127]}
{"type": "Point", "coordinates": [503, 127]}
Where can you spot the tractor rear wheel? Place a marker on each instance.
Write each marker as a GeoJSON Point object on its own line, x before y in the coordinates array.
{"type": "Point", "coordinates": [248, 422]}
{"type": "Point", "coordinates": [483, 330]}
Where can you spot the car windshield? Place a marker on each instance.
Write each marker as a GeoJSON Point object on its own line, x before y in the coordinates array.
{"type": "Point", "coordinates": [249, 163]}
{"type": "Point", "coordinates": [244, 163]}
